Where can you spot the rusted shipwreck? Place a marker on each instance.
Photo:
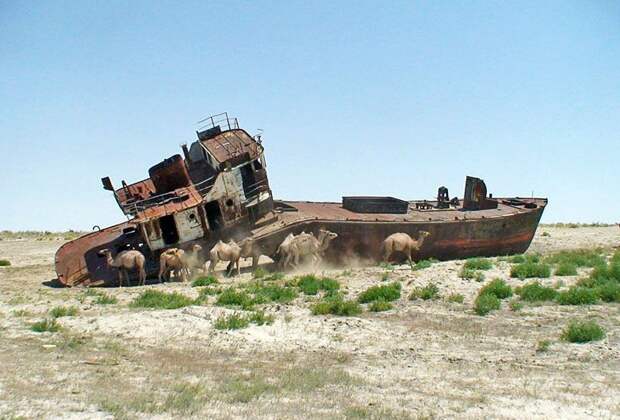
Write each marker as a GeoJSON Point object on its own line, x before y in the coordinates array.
{"type": "Point", "coordinates": [218, 189]}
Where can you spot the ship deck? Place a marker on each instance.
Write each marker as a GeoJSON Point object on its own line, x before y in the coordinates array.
{"type": "Point", "coordinates": [302, 211]}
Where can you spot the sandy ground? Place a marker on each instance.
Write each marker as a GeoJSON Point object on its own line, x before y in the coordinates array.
{"type": "Point", "coordinates": [422, 359]}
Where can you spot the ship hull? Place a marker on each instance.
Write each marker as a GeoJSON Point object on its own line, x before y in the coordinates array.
{"type": "Point", "coordinates": [79, 262]}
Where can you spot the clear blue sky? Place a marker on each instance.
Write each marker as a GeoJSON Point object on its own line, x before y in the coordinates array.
{"type": "Point", "coordinates": [375, 98]}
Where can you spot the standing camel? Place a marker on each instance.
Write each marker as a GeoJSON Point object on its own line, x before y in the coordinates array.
{"type": "Point", "coordinates": [225, 252]}
{"type": "Point", "coordinates": [125, 261]}
{"type": "Point", "coordinates": [306, 244]}
{"type": "Point", "coordinates": [172, 261]}
{"type": "Point", "coordinates": [402, 242]}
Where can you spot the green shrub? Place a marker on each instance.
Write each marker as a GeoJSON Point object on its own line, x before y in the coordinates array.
{"type": "Point", "coordinates": [546, 234]}
{"type": "Point", "coordinates": [566, 269]}
{"type": "Point", "coordinates": [609, 292]}
{"type": "Point", "coordinates": [530, 269]}
{"type": "Point", "coordinates": [105, 299]}
{"type": "Point", "coordinates": [486, 303]}
{"type": "Point", "coordinates": [478, 264]}
{"type": "Point", "coordinates": [456, 298]}
{"type": "Point", "coordinates": [274, 293]}
{"type": "Point", "coordinates": [583, 332]}
{"type": "Point", "coordinates": [274, 277]}
{"type": "Point", "coordinates": [577, 296]}
{"type": "Point", "coordinates": [467, 274]}
{"type": "Point", "coordinates": [422, 264]}
{"type": "Point", "coordinates": [161, 300]}
{"type": "Point", "coordinates": [535, 292]}
{"type": "Point", "coordinates": [498, 288]}
{"type": "Point", "coordinates": [479, 277]}
{"type": "Point", "coordinates": [5, 263]}
{"type": "Point", "coordinates": [204, 281]}
{"type": "Point", "coordinates": [259, 273]}
{"type": "Point", "coordinates": [231, 297]}
{"type": "Point", "coordinates": [521, 258]}
{"type": "Point", "coordinates": [60, 311]}
{"type": "Point", "coordinates": [49, 325]}
{"type": "Point", "coordinates": [577, 258]}
{"type": "Point", "coordinates": [515, 305]}
{"type": "Point", "coordinates": [259, 318]}
{"type": "Point", "coordinates": [380, 305]}
{"type": "Point", "coordinates": [388, 292]}
{"type": "Point", "coordinates": [310, 284]}
{"type": "Point", "coordinates": [337, 306]}
{"type": "Point", "coordinates": [231, 322]}
{"type": "Point", "coordinates": [543, 346]}
{"type": "Point", "coordinates": [430, 291]}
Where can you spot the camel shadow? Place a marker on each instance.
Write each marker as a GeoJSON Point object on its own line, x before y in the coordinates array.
{"type": "Point", "coordinates": [53, 283]}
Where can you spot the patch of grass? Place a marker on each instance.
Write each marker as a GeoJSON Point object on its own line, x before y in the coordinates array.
{"type": "Point", "coordinates": [60, 311]}
{"type": "Point", "coordinates": [310, 284]}
{"type": "Point", "coordinates": [231, 297]}
{"type": "Point", "coordinates": [204, 281]}
{"type": "Point", "coordinates": [388, 293]}
{"type": "Point", "coordinates": [528, 270]}
{"type": "Point", "coordinates": [577, 296]}
{"type": "Point", "coordinates": [272, 293]}
{"type": "Point", "coordinates": [515, 305]}
{"type": "Point", "coordinates": [5, 263]}
{"type": "Point", "coordinates": [423, 264]}
{"type": "Point", "coordinates": [231, 322]}
{"type": "Point", "coordinates": [22, 313]}
{"type": "Point", "coordinates": [543, 346]}
{"type": "Point", "coordinates": [335, 305]}
{"type": "Point", "coordinates": [428, 292]}
{"type": "Point", "coordinates": [105, 299]}
{"type": "Point", "coordinates": [498, 288]}
{"type": "Point", "coordinates": [259, 273]}
{"type": "Point", "coordinates": [566, 269]}
{"type": "Point", "coordinates": [609, 292]}
{"type": "Point", "coordinates": [577, 258]}
{"type": "Point", "coordinates": [546, 234]}
{"type": "Point", "coordinates": [380, 305]}
{"type": "Point", "coordinates": [467, 273]}
{"type": "Point", "coordinates": [385, 276]}
{"type": "Point", "coordinates": [245, 389]}
{"type": "Point", "coordinates": [161, 300]}
{"type": "Point", "coordinates": [46, 325]}
{"type": "Point", "coordinates": [535, 292]}
{"type": "Point", "coordinates": [523, 258]}
{"type": "Point", "coordinates": [478, 264]}
{"type": "Point", "coordinates": [260, 318]}
{"type": "Point", "coordinates": [486, 303]}
{"type": "Point", "coordinates": [185, 399]}
{"type": "Point", "coordinates": [456, 298]}
{"type": "Point", "coordinates": [205, 292]}
{"type": "Point", "coordinates": [583, 332]}
{"type": "Point", "coordinates": [479, 277]}
{"type": "Point", "coordinates": [69, 341]}
{"type": "Point", "coordinates": [274, 277]}
{"type": "Point", "coordinates": [386, 266]}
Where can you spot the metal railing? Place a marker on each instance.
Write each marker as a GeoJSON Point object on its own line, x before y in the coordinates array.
{"type": "Point", "coordinates": [223, 120]}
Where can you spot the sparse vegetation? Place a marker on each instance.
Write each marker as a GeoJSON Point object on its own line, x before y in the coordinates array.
{"type": "Point", "coordinates": [259, 273]}
{"type": "Point", "coordinates": [380, 305]}
{"type": "Point", "coordinates": [467, 273]}
{"type": "Point", "coordinates": [60, 311]}
{"type": "Point", "coordinates": [515, 305]}
{"type": "Point", "coordinates": [336, 305]}
{"type": "Point", "coordinates": [388, 293]}
{"type": "Point", "coordinates": [486, 303]}
{"type": "Point", "coordinates": [231, 297]}
{"type": "Point", "coordinates": [156, 299]}
{"type": "Point", "coordinates": [530, 270]}
{"type": "Point", "coordinates": [204, 281]}
{"type": "Point", "coordinates": [566, 269]}
{"type": "Point", "coordinates": [272, 293]}
{"type": "Point", "coordinates": [428, 292]}
{"type": "Point", "coordinates": [46, 325]}
{"type": "Point", "coordinates": [105, 299]}
{"type": "Point", "coordinates": [423, 264]}
{"type": "Point", "coordinates": [237, 321]}
{"type": "Point", "coordinates": [456, 298]}
{"type": "Point", "coordinates": [5, 263]}
{"type": "Point", "coordinates": [609, 292]}
{"type": "Point", "coordinates": [498, 288]}
{"type": "Point", "coordinates": [524, 258]}
{"type": "Point", "coordinates": [583, 332]}
{"type": "Point", "coordinates": [577, 258]}
{"type": "Point", "coordinates": [535, 292]}
{"type": "Point", "coordinates": [311, 285]}
{"type": "Point", "coordinates": [543, 346]}
{"type": "Point", "coordinates": [577, 296]}
{"type": "Point", "coordinates": [546, 234]}
{"type": "Point", "coordinates": [478, 264]}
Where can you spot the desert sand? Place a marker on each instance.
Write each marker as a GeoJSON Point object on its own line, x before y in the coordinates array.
{"type": "Point", "coordinates": [422, 359]}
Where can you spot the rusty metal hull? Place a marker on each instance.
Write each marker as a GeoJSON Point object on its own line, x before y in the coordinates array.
{"type": "Point", "coordinates": [453, 235]}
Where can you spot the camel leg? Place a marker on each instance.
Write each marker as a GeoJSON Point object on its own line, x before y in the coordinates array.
{"type": "Point", "coordinates": [120, 277]}
{"type": "Point", "coordinates": [386, 254]}
{"type": "Point", "coordinates": [255, 261]}
{"type": "Point", "coordinates": [162, 269]}
{"type": "Point", "coordinates": [143, 275]}
{"type": "Point", "coordinates": [238, 267]}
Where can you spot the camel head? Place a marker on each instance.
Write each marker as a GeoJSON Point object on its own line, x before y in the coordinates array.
{"type": "Point", "coordinates": [325, 236]}
{"type": "Point", "coordinates": [104, 252]}
{"type": "Point", "coordinates": [196, 248]}
{"type": "Point", "coordinates": [423, 234]}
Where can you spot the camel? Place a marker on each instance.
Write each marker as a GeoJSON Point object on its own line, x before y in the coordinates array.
{"type": "Point", "coordinates": [125, 261]}
{"type": "Point", "coordinates": [172, 261]}
{"type": "Point", "coordinates": [402, 242]}
{"type": "Point", "coordinates": [305, 244]}
{"type": "Point", "coordinates": [225, 252]}
{"type": "Point", "coordinates": [248, 250]}
{"type": "Point", "coordinates": [192, 259]}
